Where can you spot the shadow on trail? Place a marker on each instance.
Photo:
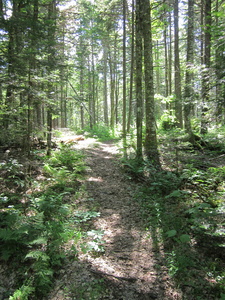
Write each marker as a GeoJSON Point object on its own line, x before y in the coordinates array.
{"type": "Point", "coordinates": [133, 262]}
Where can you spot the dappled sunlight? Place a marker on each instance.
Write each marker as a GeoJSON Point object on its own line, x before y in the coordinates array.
{"type": "Point", "coordinates": [128, 258]}
{"type": "Point", "coordinates": [130, 261]}
{"type": "Point", "coordinates": [98, 179]}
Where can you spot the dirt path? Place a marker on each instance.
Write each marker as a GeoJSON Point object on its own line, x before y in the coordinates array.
{"type": "Point", "coordinates": [132, 268]}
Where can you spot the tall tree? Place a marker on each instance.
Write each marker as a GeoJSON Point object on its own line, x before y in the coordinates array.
{"type": "Point", "coordinates": [207, 18]}
{"type": "Point", "coordinates": [105, 93]}
{"type": "Point", "coordinates": [151, 146]}
{"type": "Point", "coordinates": [177, 76]}
{"type": "Point", "coordinates": [131, 70]}
{"type": "Point", "coordinates": [124, 81]}
{"type": "Point", "coordinates": [139, 96]}
{"type": "Point", "coordinates": [51, 68]}
{"type": "Point", "coordinates": [188, 90]}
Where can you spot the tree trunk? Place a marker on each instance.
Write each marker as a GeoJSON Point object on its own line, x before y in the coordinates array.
{"type": "Point", "coordinates": [151, 147]}
{"type": "Point", "coordinates": [112, 85]}
{"type": "Point", "coordinates": [166, 63]}
{"type": "Point", "coordinates": [124, 81]}
{"type": "Point", "coordinates": [170, 57]}
{"type": "Point", "coordinates": [178, 99]}
{"type": "Point", "coordinates": [188, 91]}
{"type": "Point", "coordinates": [105, 96]}
{"type": "Point", "coordinates": [139, 96]}
{"type": "Point", "coordinates": [206, 64]}
{"type": "Point", "coordinates": [131, 72]}
{"type": "Point", "coordinates": [51, 66]}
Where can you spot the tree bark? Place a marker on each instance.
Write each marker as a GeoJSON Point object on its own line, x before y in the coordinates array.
{"type": "Point", "coordinates": [131, 72]}
{"type": "Point", "coordinates": [188, 90]}
{"type": "Point", "coordinates": [151, 145]}
{"type": "Point", "coordinates": [105, 96]}
{"type": "Point", "coordinates": [177, 77]}
{"type": "Point", "coordinates": [206, 64]}
{"type": "Point", "coordinates": [139, 96]}
{"type": "Point", "coordinates": [124, 82]}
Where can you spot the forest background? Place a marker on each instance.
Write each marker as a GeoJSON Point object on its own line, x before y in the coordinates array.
{"type": "Point", "coordinates": [78, 64]}
{"type": "Point", "coordinates": [149, 73]}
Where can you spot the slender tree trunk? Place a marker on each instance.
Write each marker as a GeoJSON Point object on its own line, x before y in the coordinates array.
{"type": "Point", "coordinates": [219, 75]}
{"type": "Point", "coordinates": [117, 99]}
{"type": "Point", "coordinates": [105, 96]}
{"type": "Point", "coordinates": [112, 86]}
{"type": "Point", "coordinates": [170, 57]}
{"type": "Point", "coordinates": [131, 72]}
{"type": "Point", "coordinates": [157, 86]}
{"type": "Point", "coordinates": [139, 96]}
{"type": "Point", "coordinates": [93, 104]}
{"type": "Point", "coordinates": [188, 91]}
{"type": "Point", "coordinates": [90, 97]}
{"type": "Point", "coordinates": [51, 66]}
{"type": "Point", "coordinates": [178, 99]}
{"type": "Point", "coordinates": [31, 81]}
{"type": "Point", "coordinates": [151, 146]}
{"type": "Point", "coordinates": [124, 81]}
{"type": "Point", "coordinates": [166, 63]}
{"type": "Point", "coordinates": [81, 96]}
{"type": "Point", "coordinates": [206, 64]}
{"type": "Point", "coordinates": [81, 67]}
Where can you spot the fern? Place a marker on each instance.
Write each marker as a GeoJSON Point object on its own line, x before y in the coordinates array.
{"type": "Point", "coordinates": [23, 293]}
{"type": "Point", "coordinates": [37, 255]}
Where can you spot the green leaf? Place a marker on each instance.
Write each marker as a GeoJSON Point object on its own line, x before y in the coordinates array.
{"type": "Point", "coordinates": [185, 238]}
{"type": "Point", "coordinates": [174, 194]}
{"type": "Point", "coordinates": [171, 233]}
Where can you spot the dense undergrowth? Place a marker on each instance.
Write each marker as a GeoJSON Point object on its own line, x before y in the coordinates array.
{"type": "Point", "coordinates": [183, 209]}
{"type": "Point", "coordinates": [101, 132]}
{"type": "Point", "coordinates": [38, 216]}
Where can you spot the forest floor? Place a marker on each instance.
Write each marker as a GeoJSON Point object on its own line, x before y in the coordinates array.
{"type": "Point", "coordinates": [130, 267]}
{"type": "Point", "coordinates": [140, 238]}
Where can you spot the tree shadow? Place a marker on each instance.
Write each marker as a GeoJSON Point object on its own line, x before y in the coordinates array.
{"type": "Point", "coordinates": [137, 263]}
{"type": "Point", "coordinates": [187, 264]}
{"type": "Point", "coordinates": [132, 263]}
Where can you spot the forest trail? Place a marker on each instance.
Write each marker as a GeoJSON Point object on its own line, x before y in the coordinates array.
{"type": "Point", "coordinates": [132, 264]}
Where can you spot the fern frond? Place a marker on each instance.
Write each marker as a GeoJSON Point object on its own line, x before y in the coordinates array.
{"type": "Point", "coordinates": [38, 255]}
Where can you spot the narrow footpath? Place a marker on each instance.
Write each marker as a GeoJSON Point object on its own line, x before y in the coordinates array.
{"type": "Point", "coordinates": [131, 266]}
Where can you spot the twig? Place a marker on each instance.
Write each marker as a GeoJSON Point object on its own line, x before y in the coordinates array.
{"type": "Point", "coordinates": [131, 279]}
{"type": "Point", "coordinates": [217, 157]}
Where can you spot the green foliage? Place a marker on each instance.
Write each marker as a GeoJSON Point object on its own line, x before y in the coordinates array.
{"type": "Point", "coordinates": [165, 183]}
{"type": "Point", "coordinates": [92, 290]}
{"type": "Point", "coordinates": [168, 121]}
{"type": "Point", "coordinates": [84, 216]}
{"type": "Point", "coordinates": [51, 205]}
{"type": "Point", "coordinates": [65, 166]}
{"type": "Point", "coordinates": [23, 293]}
{"type": "Point", "coordinates": [13, 172]}
{"type": "Point", "coordinates": [133, 168]}
{"type": "Point", "coordinates": [69, 158]}
{"type": "Point", "coordinates": [185, 210]}
{"type": "Point", "coordinates": [206, 185]}
{"type": "Point", "coordinates": [34, 237]}
{"type": "Point", "coordinates": [95, 242]}
{"type": "Point", "coordinates": [102, 132]}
